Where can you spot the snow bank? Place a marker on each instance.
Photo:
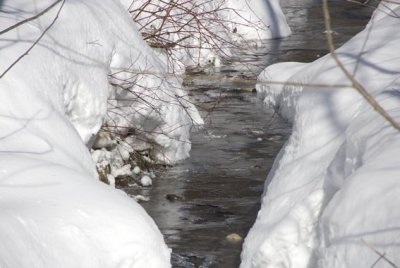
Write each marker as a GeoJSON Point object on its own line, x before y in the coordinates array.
{"type": "Point", "coordinates": [191, 33]}
{"type": "Point", "coordinates": [256, 19]}
{"type": "Point", "coordinates": [331, 197]}
{"type": "Point", "coordinates": [147, 102]}
{"type": "Point", "coordinates": [54, 211]}
{"type": "Point", "coordinates": [201, 32]}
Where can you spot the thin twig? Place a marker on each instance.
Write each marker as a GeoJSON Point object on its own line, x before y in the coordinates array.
{"type": "Point", "coordinates": [381, 255]}
{"type": "Point", "coordinates": [31, 18]}
{"type": "Point", "coordinates": [34, 43]}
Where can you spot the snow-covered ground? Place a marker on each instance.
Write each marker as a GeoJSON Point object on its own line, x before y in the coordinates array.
{"type": "Point", "coordinates": [331, 199]}
{"type": "Point", "coordinates": [54, 211]}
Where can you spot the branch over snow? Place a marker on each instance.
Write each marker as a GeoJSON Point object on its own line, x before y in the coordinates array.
{"type": "Point", "coordinates": [38, 39]}
{"type": "Point", "coordinates": [355, 84]}
{"type": "Point", "coordinates": [31, 18]}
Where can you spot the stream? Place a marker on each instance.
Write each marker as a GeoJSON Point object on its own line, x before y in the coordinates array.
{"type": "Point", "coordinates": [216, 192]}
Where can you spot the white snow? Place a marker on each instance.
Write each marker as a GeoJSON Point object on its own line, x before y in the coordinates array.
{"type": "Point", "coordinates": [256, 19]}
{"type": "Point", "coordinates": [146, 181]}
{"type": "Point", "coordinates": [54, 211]}
{"type": "Point", "coordinates": [125, 170]}
{"type": "Point", "coordinates": [136, 170]}
{"type": "Point", "coordinates": [188, 28]}
{"type": "Point", "coordinates": [331, 199]}
{"type": "Point", "coordinates": [202, 31]}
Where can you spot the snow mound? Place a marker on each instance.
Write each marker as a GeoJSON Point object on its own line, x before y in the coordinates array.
{"type": "Point", "coordinates": [331, 197]}
{"type": "Point", "coordinates": [55, 212]}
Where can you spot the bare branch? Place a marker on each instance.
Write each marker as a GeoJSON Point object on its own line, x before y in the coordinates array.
{"type": "Point", "coordinates": [34, 43]}
{"type": "Point", "coordinates": [381, 255]}
{"type": "Point", "coordinates": [31, 18]}
{"type": "Point", "coordinates": [355, 84]}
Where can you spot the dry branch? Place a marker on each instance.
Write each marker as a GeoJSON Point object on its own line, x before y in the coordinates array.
{"type": "Point", "coordinates": [354, 83]}
{"type": "Point", "coordinates": [37, 40]}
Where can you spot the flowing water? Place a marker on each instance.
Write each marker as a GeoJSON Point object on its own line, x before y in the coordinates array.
{"type": "Point", "coordinates": [216, 192]}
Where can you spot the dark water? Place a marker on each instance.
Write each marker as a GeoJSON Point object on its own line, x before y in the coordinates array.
{"type": "Point", "coordinates": [216, 192]}
{"type": "Point", "coordinates": [219, 187]}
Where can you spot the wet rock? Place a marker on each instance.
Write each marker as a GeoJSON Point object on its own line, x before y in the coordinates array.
{"type": "Point", "coordinates": [234, 238]}
{"type": "Point", "coordinates": [173, 197]}
{"type": "Point", "coordinates": [123, 181]}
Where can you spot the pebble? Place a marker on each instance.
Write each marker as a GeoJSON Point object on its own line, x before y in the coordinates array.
{"type": "Point", "coordinates": [234, 237]}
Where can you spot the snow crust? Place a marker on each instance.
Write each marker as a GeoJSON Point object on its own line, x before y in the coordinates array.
{"type": "Point", "coordinates": [331, 199]}
{"type": "Point", "coordinates": [54, 211]}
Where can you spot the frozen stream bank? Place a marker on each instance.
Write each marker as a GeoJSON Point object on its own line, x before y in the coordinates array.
{"type": "Point", "coordinates": [217, 191]}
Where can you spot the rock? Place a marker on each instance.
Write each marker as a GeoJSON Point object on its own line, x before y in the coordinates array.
{"type": "Point", "coordinates": [123, 181]}
{"type": "Point", "coordinates": [103, 140]}
{"type": "Point", "coordinates": [234, 238]}
{"type": "Point", "coordinates": [173, 197]}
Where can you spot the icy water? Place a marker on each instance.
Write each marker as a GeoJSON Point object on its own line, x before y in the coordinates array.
{"type": "Point", "coordinates": [216, 192]}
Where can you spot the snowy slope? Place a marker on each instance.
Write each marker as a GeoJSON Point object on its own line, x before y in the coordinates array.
{"type": "Point", "coordinates": [54, 211]}
{"type": "Point", "coordinates": [332, 197]}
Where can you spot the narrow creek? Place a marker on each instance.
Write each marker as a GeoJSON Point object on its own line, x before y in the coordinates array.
{"type": "Point", "coordinates": [216, 192]}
